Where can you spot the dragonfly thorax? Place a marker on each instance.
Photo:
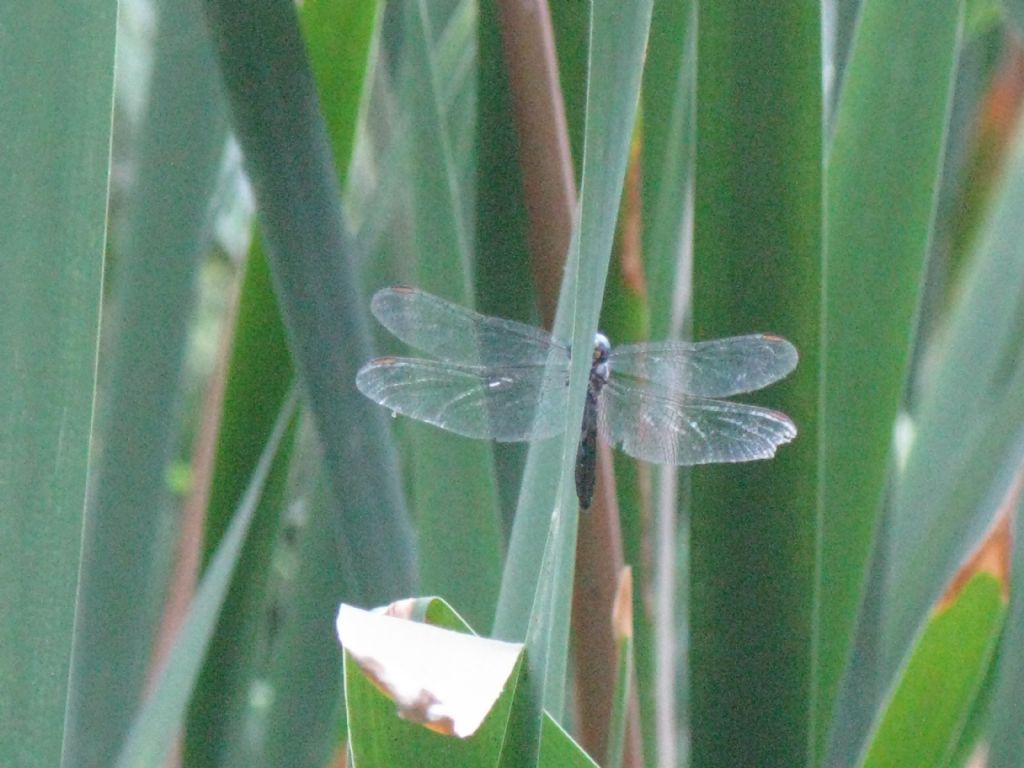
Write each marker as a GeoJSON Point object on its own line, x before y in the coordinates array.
{"type": "Point", "coordinates": [599, 363]}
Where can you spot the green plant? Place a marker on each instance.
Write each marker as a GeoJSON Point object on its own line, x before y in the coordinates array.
{"type": "Point", "coordinates": [854, 601]}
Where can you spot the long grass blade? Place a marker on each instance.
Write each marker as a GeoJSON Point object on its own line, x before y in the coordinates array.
{"type": "Point", "coordinates": [882, 183]}
{"type": "Point", "coordinates": [757, 267]}
{"type": "Point", "coordinates": [536, 603]}
{"type": "Point", "coordinates": [276, 118]}
{"type": "Point", "coordinates": [158, 720]}
{"type": "Point", "coordinates": [962, 458]}
{"type": "Point", "coordinates": [57, 66]}
{"type": "Point", "coordinates": [154, 284]}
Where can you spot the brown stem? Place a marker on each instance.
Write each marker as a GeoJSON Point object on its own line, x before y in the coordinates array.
{"type": "Point", "coordinates": [544, 155]}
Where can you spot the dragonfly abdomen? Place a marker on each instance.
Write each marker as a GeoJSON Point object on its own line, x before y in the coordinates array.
{"type": "Point", "coordinates": [586, 454]}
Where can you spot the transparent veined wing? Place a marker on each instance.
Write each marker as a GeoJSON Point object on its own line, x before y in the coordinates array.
{"type": "Point", "coordinates": [459, 335]}
{"type": "Point", "coordinates": [504, 403]}
{"type": "Point", "coordinates": [664, 427]}
{"type": "Point", "coordinates": [718, 368]}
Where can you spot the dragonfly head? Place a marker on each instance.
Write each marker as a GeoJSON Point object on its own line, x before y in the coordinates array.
{"type": "Point", "coordinates": [599, 362]}
{"type": "Point", "coordinates": [601, 349]}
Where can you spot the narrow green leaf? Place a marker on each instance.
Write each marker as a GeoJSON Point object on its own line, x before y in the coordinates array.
{"type": "Point", "coordinates": [535, 603]}
{"type": "Point", "coordinates": [757, 268]}
{"type": "Point", "coordinates": [159, 719]}
{"type": "Point", "coordinates": [338, 35]}
{"type": "Point", "coordinates": [622, 631]}
{"type": "Point", "coordinates": [502, 260]}
{"type": "Point", "coordinates": [973, 165]}
{"type": "Point", "coordinates": [571, 23]}
{"type": "Point", "coordinates": [454, 484]}
{"type": "Point", "coordinates": [558, 750]}
{"type": "Point", "coordinates": [963, 458]}
{"type": "Point", "coordinates": [302, 708]}
{"type": "Point", "coordinates": [668, 126]}
{"type": "Point", "coordinates": [57, 68]}
{"type": "Point", "coordinates": [838, 30]}
{"type": "Point", "coordinates": [154, 283]}
{"type": "Point", "coordinates": [504, 286]}
{"type": "Point", "coordinates": [276, 118]}
{"type": "Point", "coordinates": [1005, 732]}
{"type": "Point", "coordinates": [381, 739]}
{"type": "Point", "coordinates": [882, 182]}
{"type": "Point", "coordinates": [922, 724]}
{"type": "Point", "coordinates": [258, 377]}
{"type": "Point", "coordinates": [617, 735]}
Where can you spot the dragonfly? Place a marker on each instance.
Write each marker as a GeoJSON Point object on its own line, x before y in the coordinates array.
{"type": "Point", "coordinates": [498, 379]}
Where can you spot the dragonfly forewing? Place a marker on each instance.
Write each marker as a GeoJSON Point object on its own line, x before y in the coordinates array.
{"type": "Point", "coordinates": [718, 368]}
{"type": "Point", "coordinates": [459, 335]}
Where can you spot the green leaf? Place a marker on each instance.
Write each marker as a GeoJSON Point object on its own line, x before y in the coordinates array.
{"type": "Point", "coordinates": [558, 750]}
{"type": "Point", "coordinates": [757, 268]}
{"type": "Point", "coordinates": [154, 284]}
{"type": "Point", "coordinates": [667, 170]}
{"type": "Point", "coordinates": [454, 483]}
{"type": "Point", "coordinates": [159, 718]}
{"type": "Point", "coordinates": [504, 286]}
{"type": "Point", "coordinates": [669, 97]}
{"type": "Point", "coordinates": [571, 23]}
{"type": "Point", "coordinates": [301, 714]}
{"type": "Point", "coordinates": [925, 716]}
{"type": "Point", "coordinates": [338, 36]}
{"type": "Point", "coordinates": [57, 66]}
{"type": "Point", "coordinates": [276, 118]}
{"type": "Point", "coordinates": [379, 737]}
{"type": "Point", "coordinates": [258, 377]}
{"type": "Point", "coordinates": [622, 631]}
{"type": "Point", "coordinates": [1005, 733]}
{"type": "Point", "coordinates": [838, 33]}
{"type": "Point", "coordinates": [535, 602]}
{"type": "Point", "coordinates": [882, 182]}
{"type": "Point", "coordinates": [962, 459]}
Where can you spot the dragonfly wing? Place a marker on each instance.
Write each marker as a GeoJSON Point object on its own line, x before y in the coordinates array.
{"type": "Point", "coordinates": [718, 368]}
{"type": "Point", "coordinates": [669, 428]}
{"type": "Point", "coordinates": [509, 404]}
{"type": "Point", "coordinates": [450, 332]}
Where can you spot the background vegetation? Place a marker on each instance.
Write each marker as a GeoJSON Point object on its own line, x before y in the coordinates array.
{"type": "Point", "coordinates": [201, 196]}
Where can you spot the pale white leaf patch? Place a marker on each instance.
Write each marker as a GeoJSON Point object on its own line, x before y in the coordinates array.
{"type": "Point", "coordinates": [448, 681]}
